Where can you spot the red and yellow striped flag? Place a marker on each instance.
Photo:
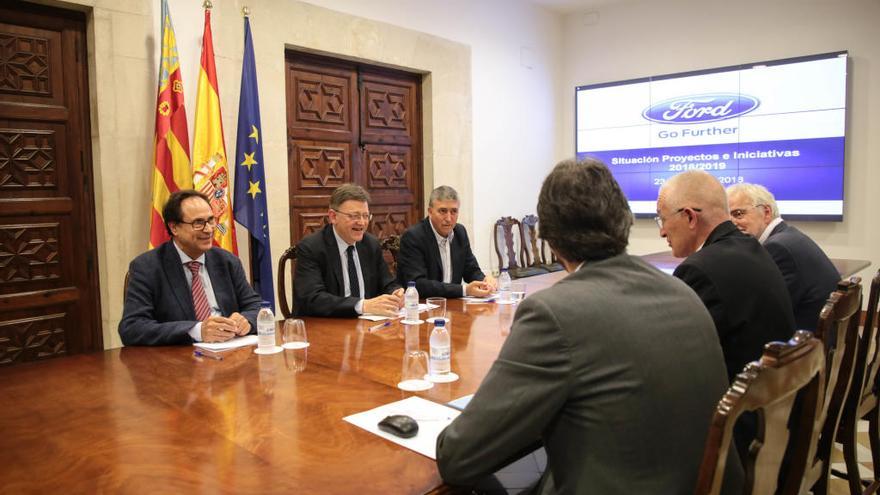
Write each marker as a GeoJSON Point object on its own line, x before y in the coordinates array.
{"type": "Point", "coordinates": [210, 173]}
{"type": "Point", "coordinates": [171, 166]}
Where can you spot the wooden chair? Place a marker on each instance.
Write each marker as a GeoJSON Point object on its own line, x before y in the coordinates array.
{"type": "Point", "coordinates": [508, 240]}
{"type": "Point", "coordinates": [390, 251]}
{"type": "Point", "coordinates": [838, 330]}
{"type": "Point", "coordinates": [862, 401]}
{"type": "Point", "coordinates": [289, 255]}
{"type": "Point", "coordinates": [786, 370]}
{"type": "Point", "coordinates": [548, 258]}
{"type": "Point", "coordinates": [534, 250]}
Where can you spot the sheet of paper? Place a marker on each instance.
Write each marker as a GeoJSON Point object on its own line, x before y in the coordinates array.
{"type": "Point", "coordinates": [430, 416]}
{"type": "Point", "coordinates": [400, 314]}
{"type": "Point", "coordinates": [461, 402]}
{"type": "Point", "coordinates": [478, 300]}
{"type": "Point", "coordinates": [229, 344]}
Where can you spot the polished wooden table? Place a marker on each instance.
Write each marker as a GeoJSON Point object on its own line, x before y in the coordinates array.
{"type": "Point", "coordinates": [137, 419]}
{"type": "Point", "coordinates": [666, 262]}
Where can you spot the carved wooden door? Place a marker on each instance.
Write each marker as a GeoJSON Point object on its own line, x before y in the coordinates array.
{"type": "Point", "coordinates": [350, 122]}
{"type": "Point", "coordinates": [48, 272]}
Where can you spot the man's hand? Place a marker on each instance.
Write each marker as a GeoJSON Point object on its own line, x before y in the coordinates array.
{"type": "Point", "coordinates": [218, 329]}
{"type": "Point", "coordinates": [399, 295]}
{"type": "Point", "coordinates": [491, 282]}
{"type": "Point", "coordinates": [242, 325]}
{"type": "Point", "coordinates": [478, 288]}
{"type": "Point", "coordinates": [385, 305]}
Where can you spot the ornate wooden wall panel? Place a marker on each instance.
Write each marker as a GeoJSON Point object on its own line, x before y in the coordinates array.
{"type": "Point", "coordinates": [48, 251]}
{"type": "Point", "coordinates": [348, 122]}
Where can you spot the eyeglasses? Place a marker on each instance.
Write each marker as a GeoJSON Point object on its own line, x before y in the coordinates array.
{"type": "Point", "coordinates": [200, 224]}
{"type": "Point", "coordinates": [659, 219]}
{"type": "Point", "coordinates": [356, 216]}
{"type": "Point", "coordinates": [741, 212]}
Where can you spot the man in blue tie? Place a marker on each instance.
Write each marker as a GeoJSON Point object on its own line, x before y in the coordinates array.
{"type": "Point", "coordinates": [186, 290]}
{"type": "Point", "coordinates": [340, 270]}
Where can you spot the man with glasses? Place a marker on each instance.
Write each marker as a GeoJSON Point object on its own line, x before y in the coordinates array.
{"type": "Point", "coordinates": [185, 290]}
{"type": "Point", "coordinates": [340, 270]}
{"type": "Point", "coordinates": [436, 253]}
{"type": "Point", "coordinates": [809, 274]}
{"type": "Point", "coordinates": [734, 276]}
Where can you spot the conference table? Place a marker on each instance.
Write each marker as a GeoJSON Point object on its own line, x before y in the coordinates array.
{"type": "Point", "coordinates": [159, 419]}
{"type": "Point", "coordinates": [666, 262]}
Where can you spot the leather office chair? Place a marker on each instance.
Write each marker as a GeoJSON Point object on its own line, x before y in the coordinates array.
{"type": "Point", "coordinates": [288, 255]}
{"type": "Point", "coordinates": [838, 330]}
{"type": "Point", "coordinates": [862, 401]}
{"type": "Point", "coordinates": [390, 251]}
{"type": "Point", "coordinates": [786, 371]}
{"type": "Point", "coordinates": [508, 241]}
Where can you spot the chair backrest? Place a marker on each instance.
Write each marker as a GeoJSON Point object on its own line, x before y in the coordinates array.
{"type": "Point", "coordinates": [838, 330]}
{"type": "Point", "coordinates": [289, 255]}
{"type": "Point", "coordinates": [125, 284]}
{"type": "Point", "coordinates": [390, 251]}
{"type": "Point", "coordinates": [769, 387]}
{"type": "Point", "coordinates": [507, 239]}
{"type": "Point", "coordinates": [865, 367]}
{"type": "Point", "coordinates": [531, 253]}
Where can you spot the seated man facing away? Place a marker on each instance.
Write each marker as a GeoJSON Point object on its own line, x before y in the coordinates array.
{"type": "Point", "coordinates": [185, 290]}
{"type": "Point", "coordinates": [733, 275]}
{"type": "Point", "coordinates": [340, 270]}
{"type": "Point", "coordinates": [809, 274]}
{"type": "Point", "coordinates": [616, 367]}
{"type": "Point", "coordinates": [436, 253]}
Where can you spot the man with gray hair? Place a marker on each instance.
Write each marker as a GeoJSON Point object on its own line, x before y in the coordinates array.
{"type": "Point", "coordinates": [616, 368]}
{"type": "Point", "coordinates": [734, 276]}
{"type": "Point", "coordinates": [436, 253]}
{"type": "Point", "coordinates": [809, 274]}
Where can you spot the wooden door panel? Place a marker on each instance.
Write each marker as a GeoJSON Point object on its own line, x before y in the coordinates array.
{"type": "Point", "coordinates": [320, 166]}
{"type": "Point", "coordinates": [322, 102]}
{"type": "Point", "coordinates": [388, 109]}
{"type": "Point", "coordinates": [391, 219]}
{"type": "Point", "coordinates": [48, 272]}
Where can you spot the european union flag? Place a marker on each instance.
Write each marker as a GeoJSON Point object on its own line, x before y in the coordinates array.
{"type": "Point", "coordinates": [249, 204]}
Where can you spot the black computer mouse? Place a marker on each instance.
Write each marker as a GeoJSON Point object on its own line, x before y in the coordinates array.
{"type": "Point", "coordinates": [399, 425]}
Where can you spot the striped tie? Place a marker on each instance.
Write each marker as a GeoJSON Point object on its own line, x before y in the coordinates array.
{"type": "Point", "coordinates": [200, 300]}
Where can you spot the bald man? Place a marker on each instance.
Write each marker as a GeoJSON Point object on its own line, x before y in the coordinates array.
{"type": "Point", "coordinates": [730, 271]}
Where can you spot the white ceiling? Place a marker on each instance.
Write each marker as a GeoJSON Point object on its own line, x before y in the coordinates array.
{"type": "Point", "coordinates": [570, 6]}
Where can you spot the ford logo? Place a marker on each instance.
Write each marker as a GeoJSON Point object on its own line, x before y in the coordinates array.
{"type": "Point", "coordinates": [696, 109]}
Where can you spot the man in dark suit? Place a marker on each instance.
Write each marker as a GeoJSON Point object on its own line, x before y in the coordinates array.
{"type": "Point", "coordinates": [185, 290]}
{"type": "Point", "coordinates": [734, 276]}
{"type": "Point", "coordinates": [616, 367]}
{"type": "Point", "coordinates": [340, 270]}
{"type": "Point", "coordinates": [809, 274]}
{"type": "Point", "coordinates": [436, 253]}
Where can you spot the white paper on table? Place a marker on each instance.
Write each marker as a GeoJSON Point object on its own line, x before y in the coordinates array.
{"type": "Point", "coordinates": [229, 344]}
{"type": "Point", "coordinates": [430, 416]}
{"type": "Point", "coordinates": [478, 300]}
{"type": "Point", "coordinates": [400, 314]}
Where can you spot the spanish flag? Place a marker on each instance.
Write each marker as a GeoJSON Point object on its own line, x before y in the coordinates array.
{"type": "Point", "coordinates": [210, 173]}
{"type": "Point", "coordinates": [171, 166]}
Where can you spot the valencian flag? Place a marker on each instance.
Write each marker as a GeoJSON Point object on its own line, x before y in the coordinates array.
{"type": "Point", "coordinates": [210, 173]}
{"type": "Point", "coordinates": [171, 167]}
{"type": "Point", "coordinates": [250, 178]}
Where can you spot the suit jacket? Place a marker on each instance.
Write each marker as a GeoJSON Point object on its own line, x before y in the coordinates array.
{"type": "Point", "coordinates": [318, 286]}
{"type": "Point", "coordinates": [744, 291]}
{"type": "Point", "coordinates": [809, 274]}
{"type": "Point", "coordinates": [158, 303]}
{"type": "Point", "coordinates": [617, 368]}
{"type": "Point", "coordinates": [419, 260]}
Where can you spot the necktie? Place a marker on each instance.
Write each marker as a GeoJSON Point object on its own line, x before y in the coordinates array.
{"type": "Point", "coordinates": [352, 273]}
{"type": "Point", "coordinates": [200, 299]}
{"type": "Point", "coordinates": [444, 260]}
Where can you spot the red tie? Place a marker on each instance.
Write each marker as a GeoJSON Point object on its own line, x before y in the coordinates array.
{"type": "Point", "coordinates": [200, 299]}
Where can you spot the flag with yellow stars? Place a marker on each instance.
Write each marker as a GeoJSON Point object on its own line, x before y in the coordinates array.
{"type": "Point", "coordinates": [249, 198]}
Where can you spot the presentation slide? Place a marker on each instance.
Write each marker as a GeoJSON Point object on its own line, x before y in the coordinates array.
{"type": "Point", "coordinates": [780, 124]}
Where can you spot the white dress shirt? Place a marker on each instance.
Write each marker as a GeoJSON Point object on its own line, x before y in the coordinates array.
{"type": "Point", "coordinates": [196, 331]}
{"type": "Point", "coordinates": [769, 228]}
{"type": "Point", "coordinates": [343, 258]}
{"type": "Point", "coordinates": [445, 246]}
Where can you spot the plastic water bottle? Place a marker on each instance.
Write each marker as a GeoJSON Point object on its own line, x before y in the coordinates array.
{"type": "Point", "coordinates": [411, 302]}
{"type": "Point", "coordinates": [441, 352]}
{"type": "Point", "coordinates": [504, 285]}
{"type": "Point", "coordinates": [265, 327]}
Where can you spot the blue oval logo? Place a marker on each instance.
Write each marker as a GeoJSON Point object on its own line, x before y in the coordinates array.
{"type": "Point", "coordinates": [695, 109]}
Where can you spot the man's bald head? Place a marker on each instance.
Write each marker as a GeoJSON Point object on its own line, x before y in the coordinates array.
{"type": "Point", "coordinates": [697, 189]}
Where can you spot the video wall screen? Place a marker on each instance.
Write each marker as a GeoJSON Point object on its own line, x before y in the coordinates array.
{"type": "Point", "coordinates": [780, 124]}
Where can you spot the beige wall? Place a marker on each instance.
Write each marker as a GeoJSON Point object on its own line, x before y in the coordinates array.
{"type": "Point", "coordinates": [645, 38]}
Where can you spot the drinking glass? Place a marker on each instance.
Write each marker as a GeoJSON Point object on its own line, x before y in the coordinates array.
{"type": "Point", "coordinates": [439, 311]}
{"type": "Point", "coordinates": [414, 372]}
{"type": "Point", "coordinates": [293, 336]}
{"type": "Point", "coordinates": [517, 291]}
